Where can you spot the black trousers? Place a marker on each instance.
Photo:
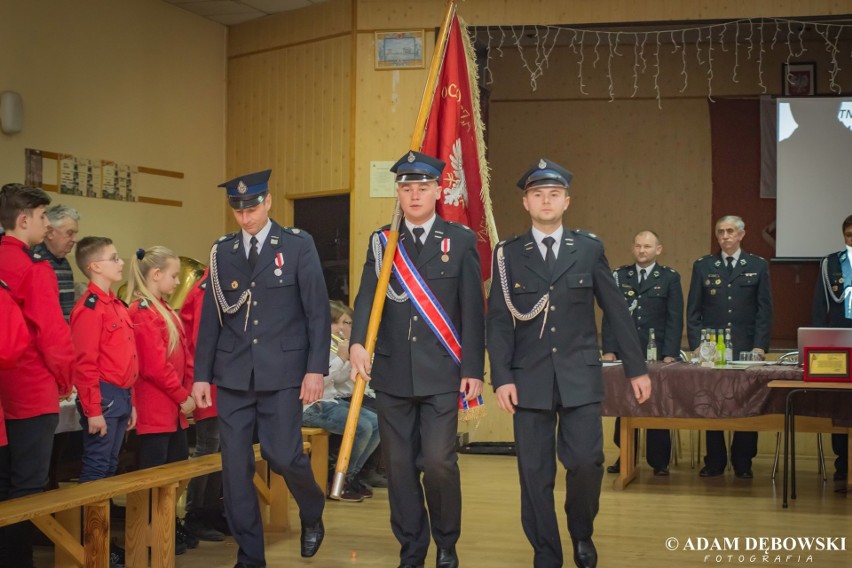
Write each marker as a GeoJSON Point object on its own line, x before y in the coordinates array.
{"type": "Point", "coordinates": [162, 448]}
{"type": "Point", "coordinates": [658, 449]}
{"type": "Point", "coordinates": [576, 436]}
{"type": "Point", "coordinates": [276, 416]}
{"type": "Point", "coordinates": [419, 436]}
{"type": "Point", "coordinates": [743, 450]}
{"type": "Point", "coordinates": [24, 470]}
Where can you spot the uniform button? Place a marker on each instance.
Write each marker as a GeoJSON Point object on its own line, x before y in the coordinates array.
{"type": "Point", "coordinates": [729, 311]}
{"type": "Point", "coordinates": [639, 317]}
{"type": "Point", "coordinates": [581, 280]}
{"type": "Point", "coordinates": [729, 285]}
{"type": "Point", "coordinates": [415, 318]}
{"type": "Point", "coordinates": [252, 284]}
{"type": "Point", "coordinates": [414, 339]}
{"type": "Point", "coordinates": [552, 308]}
{"type": "Point", "coordinates": [254, 341]}
{"type": "Point", "coordinates": [729, 298]}
{"type": "Point", "coordinates": [639, 307]}
{"type": "Point", "coordinates": [554, 349]}
{"type": "Point", "coordinates": [255, 322]}
{"type": "Point", "coordinates": [729, 324]}
{"type": "Point", "coordinates": [553, 330]}
{"type": "Point", "coordinates": [254, 303]}
{"type": "Point", "coordinates": [551, 287]}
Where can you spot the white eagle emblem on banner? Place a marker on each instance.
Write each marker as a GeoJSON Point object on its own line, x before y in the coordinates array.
{"type": "Point", "coordinates": [455, 193]}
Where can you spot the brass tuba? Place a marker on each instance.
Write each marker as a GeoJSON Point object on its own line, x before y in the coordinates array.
{"type": "Point", "coordinates": [191, 271]}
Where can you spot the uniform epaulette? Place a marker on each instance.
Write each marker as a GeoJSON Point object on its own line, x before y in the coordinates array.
{"type": "Point", "coordinates": [4, 285]}
{"type": "Point", "coordinates": [293, 230]}
{"type": "Point", "coordinates": [460, 226]}
{"type": "Point", "coordinates": [226, 237]}
{"type": "Point", "coordinates": [623, 267]}
{"type": "Point", "coordinates": [705, 257]}
{"type": "Point", "coordinates": [507, 241]}
{"type": "Point", "coordinates": [664, 267]}
{"type": "Point", "coordinates": [34, 256]}
{"type": "Point", "coordinates": [586, 234]}
{"type": "Point", "coordinates": [91, 301]}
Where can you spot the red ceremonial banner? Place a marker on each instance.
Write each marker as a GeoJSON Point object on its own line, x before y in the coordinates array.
{"type": "Point", "coordinates": [454, 134]}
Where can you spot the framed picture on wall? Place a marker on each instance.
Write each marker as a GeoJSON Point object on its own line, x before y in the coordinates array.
{"type": "Point", "coordinates": [798, 79]}
{"type": "Point", "coordinates": [399, 50]}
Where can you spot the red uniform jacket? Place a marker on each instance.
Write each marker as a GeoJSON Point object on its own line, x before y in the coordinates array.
{"type": "Point", "coordinates": [14, 339]}
{"type": "Point", "coordinates": [190, 315]}
{"type": "Point", "coordinates": [105, 347]}
{"type": "Point", "coordinates": [163, 380]}
{"type": "Point", "coordinates": [44, 370]}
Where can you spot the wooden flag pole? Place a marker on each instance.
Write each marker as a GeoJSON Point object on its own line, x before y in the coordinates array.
{"type": "Point", "coordinates": [387, 261]}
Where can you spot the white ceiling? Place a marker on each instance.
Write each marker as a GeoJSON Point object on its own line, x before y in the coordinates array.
{"type": "Point", "coordinates": [229, 12]}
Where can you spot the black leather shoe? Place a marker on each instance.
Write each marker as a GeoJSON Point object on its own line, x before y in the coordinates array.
{"type": "Point", "coordinates": [447, 558]}
{"type": "Point", "coordinates": [614, 468]}
{"type": "Point", "coordinates": [744, 474]}
{"type": "Point", "coordinates": [661, 472]}
{"type": "Point", "coordinates": [585, 554]}
{"type": "Point", "coordinates": [312, 536]}
{"type": "Point", "coordinates": [708, 471]}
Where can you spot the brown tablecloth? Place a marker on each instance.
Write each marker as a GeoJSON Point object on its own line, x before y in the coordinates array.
{"type": "Point", "coordinates": [681, 390]}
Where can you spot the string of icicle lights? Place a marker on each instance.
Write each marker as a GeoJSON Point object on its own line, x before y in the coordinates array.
{"type": "Point", "coordinates": [748, 39]}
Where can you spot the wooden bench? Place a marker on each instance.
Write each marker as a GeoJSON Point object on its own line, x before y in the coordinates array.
{"type": "Point", "coordinates": [65, 515]}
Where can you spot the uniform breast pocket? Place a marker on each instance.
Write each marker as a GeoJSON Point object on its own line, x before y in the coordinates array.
{"type": "Point", "coordinates": [747, 281]}
{"type": "Point", "coordinates": [280, 281]}
{"type": "Point", "coordinates": [579, 286]}
{"type": "Point", "coordinates": [658, 292]}
{"type": "Point", "coordinates": [445, 270]}
{"type": "Point", "coordinates": [519, 288]}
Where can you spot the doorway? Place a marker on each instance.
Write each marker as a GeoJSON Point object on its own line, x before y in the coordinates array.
{"type": "Point", "coordinates": [327, 220]}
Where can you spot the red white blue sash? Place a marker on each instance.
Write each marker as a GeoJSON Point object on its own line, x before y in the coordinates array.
{"type": "Point", "coordinates": [424, 300]}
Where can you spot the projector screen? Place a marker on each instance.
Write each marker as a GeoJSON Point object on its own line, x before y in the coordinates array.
{"type": "Point", "coordinates": [814, 170]}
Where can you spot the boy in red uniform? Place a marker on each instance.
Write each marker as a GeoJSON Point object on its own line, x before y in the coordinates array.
{"type": "Point", "coordinates": [14, 339]}
{"type": "Point", "coordinates": [30, 391]}
{"type": "Point", "coordinates": [107, 364]}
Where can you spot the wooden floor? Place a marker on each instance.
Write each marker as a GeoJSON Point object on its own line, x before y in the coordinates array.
{"type": "Point", "coordinates": [632, 527]}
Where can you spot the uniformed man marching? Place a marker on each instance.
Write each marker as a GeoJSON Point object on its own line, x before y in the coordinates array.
{"type": "Point", "coordinates": [655, 300]}
{"type": "Point", "coordinates": [542, 342]}
{"type": "Point", "coordinates": [263, 341]}
{"type": "Point", "coordinates": [730, 290]}
{"type": "Point", "coordinates": [833, 308]}
{"type": "Point", "coordinates": [430, 348]}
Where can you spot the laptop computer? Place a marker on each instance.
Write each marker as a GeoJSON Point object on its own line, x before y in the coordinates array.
{"type": "Point", "coordinates": [823, 337]}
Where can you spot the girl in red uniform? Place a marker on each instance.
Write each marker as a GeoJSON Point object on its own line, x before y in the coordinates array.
{"type": "Point", "coordinates": [163, 390]}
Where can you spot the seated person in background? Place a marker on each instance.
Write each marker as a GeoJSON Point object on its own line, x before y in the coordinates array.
{"type": "Point", "coordinates": [331, 410]}
{"type": "Point", "coordinates": [60, 239]}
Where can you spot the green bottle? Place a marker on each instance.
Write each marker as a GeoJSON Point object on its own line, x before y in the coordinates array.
{"type": "Point", "coordinates": [720, 348]}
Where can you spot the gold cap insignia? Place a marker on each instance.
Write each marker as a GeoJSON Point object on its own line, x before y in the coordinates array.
{"type": "Point", "coordinates": [542, 164]}
{"type": "Point", "coordinates": [411, 157]}
{"type": "Point", "coordinates": [242, 187]}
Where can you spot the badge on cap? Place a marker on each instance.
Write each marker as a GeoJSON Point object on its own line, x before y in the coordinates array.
{"type": "Point", "coordinates": [235, 285]}
{"type": "Point", "coordinates": [242, 187]}
{"type": "Point", "coordinates": [542, 164]}
{"type": "Point", "coordinates": [411, 157]}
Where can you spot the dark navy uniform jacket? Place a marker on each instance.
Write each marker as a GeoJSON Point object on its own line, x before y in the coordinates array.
{"type": "Point", "coordinates": [659, 305]}
{"type": "Point", "coordinates": [741, 301]}
{"type": "Point", "coordinates": [827, 312]}
{"type": "Point", "coordinates": [567, 349]}
{"type": "Point", "coordinates": [287, 334]}
{"type": "Point", "coordinates": [409, 360]}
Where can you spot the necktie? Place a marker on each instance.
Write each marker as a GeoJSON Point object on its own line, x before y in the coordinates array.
{"type": "Point", "coordinates": [730, 261]}
{"type": "Point", "coordinates": [549, 256]}
{"type": "Point", "coordinates": [418, 233]}
{"type": "Point", "coordinates": [642, 276]}
{"type": "Point", "coordinates": [252, 256]}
